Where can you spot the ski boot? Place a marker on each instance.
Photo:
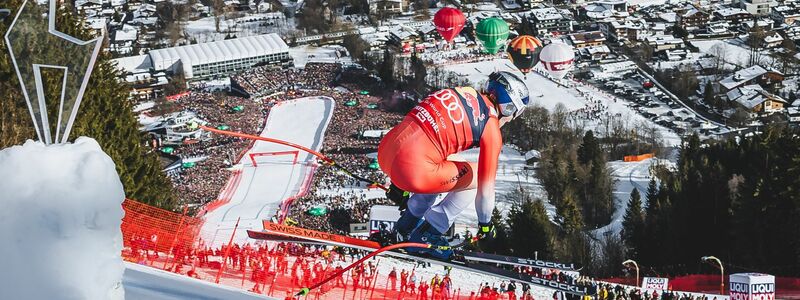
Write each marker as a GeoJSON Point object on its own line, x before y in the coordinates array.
{"type": "Point", "coordinates": [426, 234]}
{"type": "Point", "coordinates": [405, 225]}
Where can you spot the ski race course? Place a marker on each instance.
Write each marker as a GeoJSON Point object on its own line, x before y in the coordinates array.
{"type": "Point", "coordinates": [256, 193]}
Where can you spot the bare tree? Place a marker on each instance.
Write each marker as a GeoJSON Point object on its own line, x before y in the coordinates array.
{"type": "Point", "coordinates": [218, 9]}
{"type": "Point", "coordinates": [720, 55]}
{"type": "Point", "coordinates": [755, 40]}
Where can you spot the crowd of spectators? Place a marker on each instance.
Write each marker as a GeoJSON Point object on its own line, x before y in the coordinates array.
{"type": "Point", "coordinates": [266, 80]}
{"type": "Point", "coordinates": [288, 265]}
{"type": "Point", "coordinates": [202, 183]}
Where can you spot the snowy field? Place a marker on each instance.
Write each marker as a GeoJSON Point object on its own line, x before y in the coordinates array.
{"type": "Point", "coordinates": [262, 189]}
{"type": "Point", "coordinates": [146, 283]}
{"type": "Point", "coordinates": [732, 51]}
{"type": "Point", "coordinates": [629, 176]}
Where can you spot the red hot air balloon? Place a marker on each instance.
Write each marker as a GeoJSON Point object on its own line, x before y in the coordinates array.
{"type": "Point", "coordinates": [449, 22]}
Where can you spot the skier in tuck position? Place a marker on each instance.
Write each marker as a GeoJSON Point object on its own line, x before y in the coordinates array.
{"type": "Point", "coordinates": [419, 157]}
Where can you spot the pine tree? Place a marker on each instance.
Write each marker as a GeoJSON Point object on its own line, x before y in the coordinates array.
{"type": "Point", "coordinates": [599, 201]}
{"type": "Point", "coordinates": [105, 114]}
{"type": "Point", "coordinates": [633, 225]}
{"type": "Point", "coordinates": [530, 230]}
{"type": "Point", "coordinates": [500, 244]}
{"type": "Point", "coordinates": [589, 149]}
{"type": "Point", "coordinates": [708, 94]}
{"type": "Point", "coordinates": [572, 218]}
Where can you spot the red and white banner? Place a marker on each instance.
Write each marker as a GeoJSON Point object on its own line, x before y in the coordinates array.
{"type": "Point", "coordinates": [655, 283]}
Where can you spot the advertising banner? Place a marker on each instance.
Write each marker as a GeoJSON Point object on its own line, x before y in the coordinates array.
{"type": "Point", "coordinates": [752, 286]}
{"type": "Point", "coordinates": [655, 283]}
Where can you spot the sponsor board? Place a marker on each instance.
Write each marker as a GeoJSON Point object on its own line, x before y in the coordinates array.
{"type": "Point", "coordinates": [655, 283]}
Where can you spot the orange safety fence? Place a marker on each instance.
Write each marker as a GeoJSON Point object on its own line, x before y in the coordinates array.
{"type": "Point", "coordinates": [150, 228]}
{"type": "Point", "coordinates": [631, 158]}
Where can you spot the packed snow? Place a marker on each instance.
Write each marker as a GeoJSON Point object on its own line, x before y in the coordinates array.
{"type": "Point", "coordinates": [261, 190]}
{"type": "Point", "coordinates": [146, 283]}
{"type": "Point", "coordinates": [60, 218]}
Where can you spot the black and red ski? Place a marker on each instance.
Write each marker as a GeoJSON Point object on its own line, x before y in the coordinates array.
{"type": "Point", "coordinates": [285, 233]}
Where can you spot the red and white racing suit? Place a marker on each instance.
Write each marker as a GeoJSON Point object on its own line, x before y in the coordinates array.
{"type": "Point", "coordinates": [414, 155]}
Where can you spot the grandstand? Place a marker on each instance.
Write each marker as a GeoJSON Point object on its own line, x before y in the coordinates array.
{"type": "Point", "coordinates": [208, 60]}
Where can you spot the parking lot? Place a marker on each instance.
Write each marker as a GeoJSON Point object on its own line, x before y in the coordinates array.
{"type": "Point", "coordinates": [648, 100]}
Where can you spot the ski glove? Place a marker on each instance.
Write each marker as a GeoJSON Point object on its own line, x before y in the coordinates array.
{"type": "Point", "coordinates": [398, 196]}
{"type": "Point", "coordinates": [486, 232]}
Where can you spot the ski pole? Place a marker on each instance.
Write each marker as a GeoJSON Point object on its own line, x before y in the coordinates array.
{"type": "Point", "coordinates": [306, 290]}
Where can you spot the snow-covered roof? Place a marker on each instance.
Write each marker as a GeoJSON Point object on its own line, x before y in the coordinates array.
{"type": "Point", "coordinates": [796, 103]}
{"type": "Point", "coordinates": [658, 26]}
{"type": "Point", "coordinates": [630, 23]}
{"type": "Point", "coordinates": [760, 22]}
{"type": "Point", "coordinates": [587, 36]}
{"type": "Point", "coordinates": [367, 30]}
{"type": "Point", "coordinates": [774, 37]}
{"type": "Point", "coordinates": [602, 14]}
{"type": "Point", "coordinates": [785, 11]}
{"type": "Point", "coordinates": [134, 64]}
{"type": "Point", "coordinates": [663, 40]}
{"type": "Point", "coordinates": [730, 11]}
{"type": "Point", "coordinates": [427, 28]}
{"type": "Point", "coordinates": [532, 154]}
{"type": "Point", "coordinates": [218, 51]}
{"type": "Point", "coordinates": [592, 50]}
{"type": "Point", "coordinates": [739, 92]}
{"type": "Point", "coordinates": [148, 21]}
{"type": "Point", "coordinates": [546, 14]}
{"type": "Point", "coordinates": [618, 66]}
{"type": "Point", "coordinates": [401, 34]}
{"type": "Point", "coordinates": [752, 95]}
{"type": "Point", "coordinates": [747, 96]}
{"type": "Point", "coordinates": [97, 23]}
{"type": "Point", "coordinates": [125, 34]}
{"type": "Point", "coordinates": [742, 76]}
{"type": "Point", "coordinates": [669, 17]}
{"type": "Point", "coordinates": [692, 12]}
{"type": "Point", "coordinates": [79, 3]}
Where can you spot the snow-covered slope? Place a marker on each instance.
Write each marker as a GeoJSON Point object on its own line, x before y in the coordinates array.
{"type": "Point", "coordinates": [145, 283]}
{"type": "Point", "coordinates": [262, 189]}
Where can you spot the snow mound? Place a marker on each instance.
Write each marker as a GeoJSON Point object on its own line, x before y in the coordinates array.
{"type": "Point", "coordinates": [60, 217]}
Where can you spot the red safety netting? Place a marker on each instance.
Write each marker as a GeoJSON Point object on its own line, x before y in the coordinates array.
{"type": "Point", "coordinates": [146, 228]}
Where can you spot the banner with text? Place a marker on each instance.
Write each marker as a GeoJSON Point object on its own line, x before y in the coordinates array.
{"type": "Point", "coordinates": [752, 286]}
{"type": "Point", "coordinates": [655, 283]}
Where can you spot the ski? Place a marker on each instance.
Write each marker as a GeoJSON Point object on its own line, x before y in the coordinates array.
{"type": "Point", "coordinates": [278, 232]}
{"type": "Point", "coordinates": [517, 261]}
{"type": "Point", "coordinates": [467, 255]}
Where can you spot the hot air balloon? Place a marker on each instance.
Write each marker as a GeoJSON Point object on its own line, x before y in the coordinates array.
{"type": "Point", "coordinates": [557, 59]}
{"type": "Point", "coordinates": [493, 33]}
{"type": "Point", "coordinates": [449, 22]}
{"type": "Point", "coordinates": [523, 51]}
